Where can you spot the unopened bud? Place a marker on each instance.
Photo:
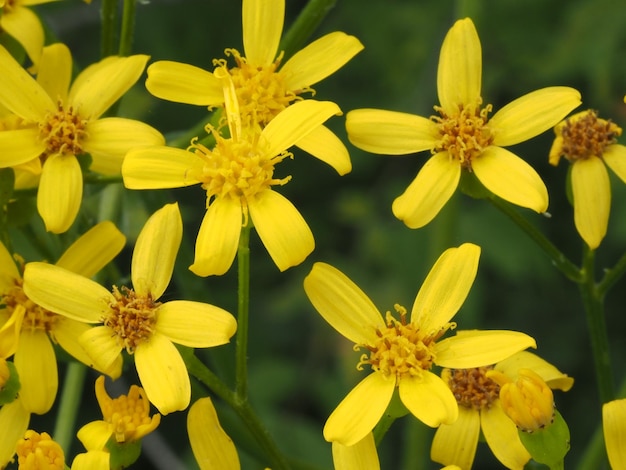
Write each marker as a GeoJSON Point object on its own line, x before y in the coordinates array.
{"type": "Point", "coordinates": [528, 401]}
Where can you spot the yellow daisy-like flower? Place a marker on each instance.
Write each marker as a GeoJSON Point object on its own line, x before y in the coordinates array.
{"type": "Point", "coordinates": [238, 176]}
{"type": "Point", "coordinates": [614, 427]}
{"type": "Point", "coordinates": [29, 330]}
{"type": "Point", "coordinates": [462, 136]}
{"type": "Point", "coordinates": [263, 86]}
{"type": "Point", "coordinates": [60, 123]}
{"type": "Point", "coordinates": [590, 143]}
{"type": "Point", "coordinates": [38, 451]}
{"type": "Point", "coordinates": [480, 409]}
{"type": "Point", "coordinates": [133, 318]}
{"type": "Point", "coordinates": [401, 352]}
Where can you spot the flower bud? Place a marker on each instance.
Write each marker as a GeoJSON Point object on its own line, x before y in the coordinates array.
{"type": "Point", "coordinates": [528, 401]}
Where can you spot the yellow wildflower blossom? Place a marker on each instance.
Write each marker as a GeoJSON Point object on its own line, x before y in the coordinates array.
{"type": "Point", "coordinates": [614, 427]}
{"type": "Point", "coordinates": [38, 451]}
{"type": "Point", "coordinates": [401, 352]}
{"type": "Point", "coordinates": [60, 122]}
{"type": "Point", "coordinates": [590, 143]}
{"type": "Point", "coordinates": [462, 137]}
{"type": "Point", "coordinates": [133, 318]}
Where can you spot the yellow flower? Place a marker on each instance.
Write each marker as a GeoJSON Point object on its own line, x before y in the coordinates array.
{"type": "Point", "coordinates": [263, 87]}
{"type": "Point", "coordinates": [210, 445]}
{"type": "Point", "coordinates": [402, 352]}
{"type": "Point", "coordinates": [60, 123]}
{"type": "Point", "coordinates": [480, 410]}
{"type": "Point", "coordinates": [133, 318]}
{"type": "Point", "coordinates": [238, 175]}
{"type": "Point", "coordinates": [29, 330]}
{"type": "Point", "coordinates": [589, 143]}
{"type": "Point", "coordinates": [462, 137]}
{"type": "Point", "coordinates": [614, 427]}
{"type": "Point", "coordinates": [38, 451]}
{"type": "Point", "coordinates": [126, 419]}
{"type": "Point", "coordinates": [14, 419]}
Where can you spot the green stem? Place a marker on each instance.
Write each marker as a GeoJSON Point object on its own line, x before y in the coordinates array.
{"type": "Point", "coordinates": [382, 427]}
{"type": "Point", "coordinates": [612, 276]}
{"type": "Point", "coordinates": [243, 307]}
{"type": "Point", "coordinates": [128, 27]}
{"type": "Point", "coordinates": [109, 18]}
{"type": "Point", "coordinates": [301, 29]}
{"type": "Point", "coordinates": [69, 404]}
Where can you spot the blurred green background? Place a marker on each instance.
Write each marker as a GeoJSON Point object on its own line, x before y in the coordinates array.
{"type": "Point", "coordinates": [300, 367]}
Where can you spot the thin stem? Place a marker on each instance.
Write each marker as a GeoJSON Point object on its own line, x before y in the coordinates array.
{"type": "Point", "coordinates": [308, 20]}
{"type": "Point", "coordinates": [243, 305]}
{"type": "Point", "coordinates": [128, 27]}
{"type": "Point", "coordinates": [69, 404]}
{"type": "Point", "coordinates": [382, 427]}
{"type": "Point", "coordinates": [107, 35]}
{"type": "Point", "coordinates": [612, 276]}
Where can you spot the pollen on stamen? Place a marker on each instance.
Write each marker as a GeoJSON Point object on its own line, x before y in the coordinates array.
{"type": "Point", "coordinates": [471, 387]}
{"type": "Point", "coordinates": [63, 132]}
{"type": "Point", "coordinates": [586, 135]}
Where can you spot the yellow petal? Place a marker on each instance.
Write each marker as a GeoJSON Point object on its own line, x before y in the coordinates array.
{"type": "Point", "coordinates": [93, 250]}
{"type": "Point", "coordinates": [282, 229]}
{"type": "Point", "coordinates": [532, 114]}
{"type": "Point", "coordinates": [10, 330]}
{"type": "Point", "coordinates": [591, 188]}
{"type": "Point", "coordinates": [360, 456]}
{"type": "Point", "coordinates": [55, 71]}
{"type": "Point", "coordinates": [155, 251]}
{"type": "Point", "coordinates": [105, 85]}
{"type": "Point", "coordinates": [614, 427]}
{"type": "Point", "coordinates": [294, 123]}
{"type": "Point", "coordinates": [456, 443]}
{"type": "Point", "coordinates": [358, 413]}
{"type": "Point", "coordinates": [24, 25]}
{"type": "Point", "coordinates": [66, 332]}
{"type": "Point", "coordinates": [60, 192]}
{"type": "Point", "coordinates": [460, 68]}
{"type": "Point", "coordinates": [502, 437]}
{"type": "Point", "coordinates": [320, 59]}
{"type": "Point", "coordinates": [446, 287]}
{"type": "Point", "coordinates": [94, 435]}
{"type": "Point", "coordinates": [323, 144]}
{"type": "Point", "coordinates": [160, 167]}
{"type": "Point", "coordinates": [615, 158]}
{"type": "Point", "coordinates": [19, 146]}
{"type": "Point", "coordinates": [511, 178]}
{"type": "Point", "coordinates": [65, 292]}
{"type": "Point", "coordinates": [195, 324]}
{"type": "Point", "coordinates": [19, 92]}
{"type": "Point", "coordinates": [13, 424]}
{"type": "Point", "coordinates": [527, 360]}
{"type": "Point", "coordinates": [390, 132]}
{"type": "Point", "coordinates": [476, 348]}
{"type": "Point", "coordinates": [36, 365]}
{"type": "Point", "coordinates": [110, 139]}
{"type": "Point", "coordinates": [262, 28]}
{"type": "Point", "coordinates": [8, 270]}
{"type": "Point", "coordinates": [92, 460]}
{"type": "Point", "coordinates": [163, 374]}
{"type": "Point", "coordinates": [183, 83]}
{"type": "Point", "coordinates": [433, 186]}
{"type": "Point", "coordinates": [429, 399]}
{"type": "Point", "coordinates": [218, 238]}
{"type": "Point", "coordinates": [210, 445]}
{"type": "Point", "coordinates": [102, 347]}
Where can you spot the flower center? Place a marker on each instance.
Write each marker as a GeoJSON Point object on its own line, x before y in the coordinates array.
{"type": "Point", "coordinates": [62, 131]}
{"type": "Point", "coordinates": [132, 317]}
{"type": "Point", "coordinates": [464, 135]}
{"type": "Point", "coordinates": [261, 89]}
{"type": "Point", "coordinates": [587, 136]}
{"type": "Point", "coordinates": [35, 317]}
{"type": "Point", "coordinates": [471, 387]}
{"type": "Point", "coordinates": [402, 349]}
{"type": "Point", "coordinates": [36, 451]}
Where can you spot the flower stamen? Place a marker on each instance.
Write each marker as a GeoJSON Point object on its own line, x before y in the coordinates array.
{"type": "Point", "coordinates": [63, 132]}
{"type": "Point", "coordinates": [471, 387]}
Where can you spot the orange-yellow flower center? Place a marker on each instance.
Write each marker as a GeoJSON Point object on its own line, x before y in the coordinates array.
{"type": "Point", "coordinates": [585, 135]}
{"type": "Point", "coordinates": [471, 387]}
{"type": "Point", "coordinates": [35, 317]}
{"type": "Point", "coordinates": [465, 134]}
{"type": "Point", "coordinates": [131, 317]}
{"type": "Point", "coordinates": [401, 349]}
{"type": "Point", "coordinates": [63, 132]}
{"type": "Point", "coordinates": [38, 452]}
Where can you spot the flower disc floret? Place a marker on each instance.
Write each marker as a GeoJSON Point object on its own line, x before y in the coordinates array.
{"type": "Point", "coordinates": [37, 451]}
{"type": "Point", "coordinates": [63, 132]}
{"type": "Point", "coordinates": [471, 387]}
{"type": "Point", "coordinates": [35, 317]}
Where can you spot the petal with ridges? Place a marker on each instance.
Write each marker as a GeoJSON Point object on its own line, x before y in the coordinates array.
{"type": "Point", "coordinates": [343, 304]}
{"type": "Point", "coordinates": [24, 25]}
{"type": "Point", "coordinates": [36, 365]}
{"type": "Point", "coordinates": [195, 324]}
{"type": "Point", "coordinates": [160, 168]}
{"type": "Point", "coordinates": [19, 146]}
{"type": "Point", "coordinates": [155, 251]}
{"type": "Point", "coordinates": [433, 186]}
{"type": "Point", "coordinates": [446, 287]}
{"type": "Point", "coordinates": [262, 27]}
{"type": "Point", "coordinates": [163, 374]}
{"type": "Point", "coordinates": [456, 443]}
{"type": "Point", "coordinates": [532, 114]}
{"type": "Point", "coordinates": [358, 413]}
{"type": "Point", "coordinates": [184, 83]}
{"type": "Point", "coordinates": [390, 132]}
{"type": "Point", "coordinates": [591, 189]}
{"type": "Point", "coordinates": [282, 229]}
{"type": "Point", "coordinates": [55, 71]}
{"type": "Point", "coordinates": [360, 456]}
{"type": "Point", "coordinates": [460, 68]}
{"type": "Point", "coordinates": [429, 399]}
{"type": "Point", "coordinates": [324, 145]}
{"type": "Point", "coordinates": [527, 360]}
{"type": "Point", "coordinates": [102, 345]}
{"type": "Point", "coordinates": [476, 348]}
{"type": "Point", "coordinates": [511, 178]}
{"type": "Point", "coordinates": [216, 248]}
{"type": "Point", "coordinates": [614, 426]}
{"type": "Point", "coordinates": [615, 158]}
{"type": "Point", "coordinates": [502, 437]}
{"type": "Point", "coordinates": [13, 424]}
{"type": "Point", "coordinates": [318, 60]}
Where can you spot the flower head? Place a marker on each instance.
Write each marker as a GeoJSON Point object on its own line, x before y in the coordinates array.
{"type": "Point", "coordinates": [133, 318]}
{"type": "Point", "coordinates": [589, 143]}
{"type": "Point", "coordinates": [38, 451]}
{"type": "Point", "coordinates": [462, 136]}
{"type": "Point", "coordinates": [401, 351]}
{"type": "Point", "coordinates": [60, 123]}
{"type": "Point", "coordinates": [614, 427]}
